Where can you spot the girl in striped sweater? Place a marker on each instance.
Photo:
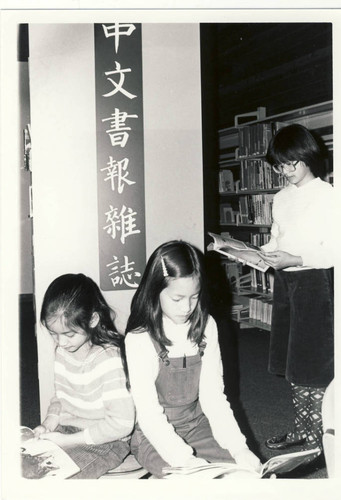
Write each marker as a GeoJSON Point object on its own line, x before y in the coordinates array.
{"type": "Point", "coordinates": [91, 415]}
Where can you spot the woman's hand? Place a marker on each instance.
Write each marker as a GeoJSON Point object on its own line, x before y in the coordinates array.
{"type": "Point", "coordinates": [280, 259]}
{"type": "Point", "coordinates": [245, 458]}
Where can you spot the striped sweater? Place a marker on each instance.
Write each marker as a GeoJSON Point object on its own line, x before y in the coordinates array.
{"type": "Point", "coordinates": [92, 394]}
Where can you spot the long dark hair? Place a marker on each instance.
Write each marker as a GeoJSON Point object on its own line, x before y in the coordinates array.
{"type": "Point", "coordinates": [174, 259]}
{"type": "Point", "coordinates": [296, 143]}
{"type": "Point", "coordinates": [77, 297]}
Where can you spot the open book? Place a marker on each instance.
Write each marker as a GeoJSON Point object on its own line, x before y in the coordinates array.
{"type": "Point", "coordinates": [42, 459]}
{"type": "Point", "coordinates": [237, 250]}
{"type": "Point", "coordinates": [280, 464]}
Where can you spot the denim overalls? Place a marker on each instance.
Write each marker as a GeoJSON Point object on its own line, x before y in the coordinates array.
{"type": "Point", "coordinates": [177, 386]}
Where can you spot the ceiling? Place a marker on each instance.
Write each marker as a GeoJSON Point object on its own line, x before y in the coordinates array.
{"type": "Point", "coordinates": [280, 66]}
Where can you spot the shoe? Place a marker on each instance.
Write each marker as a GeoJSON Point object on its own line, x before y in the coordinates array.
{"type": "Point", "coordinates": [281, 443]}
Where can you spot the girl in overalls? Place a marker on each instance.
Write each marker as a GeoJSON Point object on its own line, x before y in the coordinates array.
{"type": "Point", "coordinates": [175, 369]}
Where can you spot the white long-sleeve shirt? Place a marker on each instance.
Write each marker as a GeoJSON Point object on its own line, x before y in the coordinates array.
{"type": "Point", "coordinates": [303, 224]}
{"type": "Point", "coordinates": [143, 365]}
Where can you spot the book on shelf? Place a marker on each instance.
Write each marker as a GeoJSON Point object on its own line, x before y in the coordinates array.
{"type": "Point", "coordinates": [44, 459]}
{"type": "Point", "coordinates": [227, 214]}
{"type": "Point", "coordinates": [233, 271]}
{"type": "Point", "coordinates": [281, 464]}
{"type": "Point", "coordinates": [237, 250]}
{"type": "Point", "coordinates": [226, 182]}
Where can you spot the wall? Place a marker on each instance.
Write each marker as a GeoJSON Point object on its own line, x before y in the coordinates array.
{"type": "Point", "coordinates": [26, 258]}
{"type": "Point", "coordinates": [64, 154]}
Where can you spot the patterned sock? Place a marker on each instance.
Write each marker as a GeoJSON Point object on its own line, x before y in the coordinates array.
{"type": "Point", "coordinates": [301, 402]}
{"type": "Point", "coordinates": [314, 438]}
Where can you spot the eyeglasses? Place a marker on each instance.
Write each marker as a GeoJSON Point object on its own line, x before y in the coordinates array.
{"type": "Point", "coordinates": [290, 166]}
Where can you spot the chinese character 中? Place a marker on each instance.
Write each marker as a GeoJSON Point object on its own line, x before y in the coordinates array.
{"type": "Point", "coordinates": [118, 87]}
{"type": "Point", "coordinates": [125, 274]}
{"type": "Point", "coordinates": [123, 221]}
{"type": "Point", "coordinates": [117, 133]}
{"type": "Point", "coordinates": [117, 170]}
{"type": "Point", "coordinates": [117, 30]}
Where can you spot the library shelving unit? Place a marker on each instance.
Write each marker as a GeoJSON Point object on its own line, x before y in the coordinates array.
{"type": "Point", "coordinates": [247, 185]}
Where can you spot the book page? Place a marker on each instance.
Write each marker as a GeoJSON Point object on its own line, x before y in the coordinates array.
{"type": "Point", "coordinates": [42, 459]}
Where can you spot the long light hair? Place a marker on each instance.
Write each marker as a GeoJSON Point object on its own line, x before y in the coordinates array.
{"type": "Point", "coordinates": [172, 260]}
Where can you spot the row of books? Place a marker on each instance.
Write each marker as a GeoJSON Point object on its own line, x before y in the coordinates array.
{"type": "Point", "coordinates": [256, 208]}
{"type": "Point", "coordinates": [254, 139]}
{"type": "Point", "coordinates": [257, 174]}
{"type": "Point", "coordinates": [253, 209]}
{"type": "Point", "coordinates": [260, 309]}
{"type": "Point", "coordinates": [262, 282]}
{"type": "Point", "coordinates": [251, 282]}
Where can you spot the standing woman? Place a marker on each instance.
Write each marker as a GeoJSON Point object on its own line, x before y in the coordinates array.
{"type": "Point", "coordinates": [301, 252]}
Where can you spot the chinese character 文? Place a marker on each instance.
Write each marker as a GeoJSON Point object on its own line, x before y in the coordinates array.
{"type": "Point", "coordinates": [118, 87]}
{"type": "Point", "coordinates": [123, 221]}
{"type": "Point", "coordinates": [125, 273]}
{"type": "Point", "coordinates": [117, 170]}
{"type": "Point", "coordinates": [117, 133]}
{"type": "Point", "coordinates": [117, 30]}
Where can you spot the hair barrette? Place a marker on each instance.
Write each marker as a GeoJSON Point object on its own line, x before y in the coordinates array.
{"type": "Point", "coordinates": [164, 269]}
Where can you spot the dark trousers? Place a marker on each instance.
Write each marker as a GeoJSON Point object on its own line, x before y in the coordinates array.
{"type": "Point", "coordinates": [95, 460]}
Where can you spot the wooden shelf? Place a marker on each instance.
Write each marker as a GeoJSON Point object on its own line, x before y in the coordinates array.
{"type": "Point", "coordinates": [253, 191]}
{"type": "Point", "coordinates": [250, 323]}
{"type": "Point", "coordinates": [252, 291]}
{"type": "Point", "coordinates": [233, 224]}
{"type": "Point", "coordinates": [313, 117]}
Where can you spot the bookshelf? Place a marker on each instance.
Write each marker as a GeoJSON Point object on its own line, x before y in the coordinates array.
{"type": "Point", "coordinates": [247, 185]}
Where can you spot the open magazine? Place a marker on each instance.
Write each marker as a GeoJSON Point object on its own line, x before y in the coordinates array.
{"type": "Point", "coordinates": [237, 250]}
{"type": "Point", "coordinates": [42, 459]}
{"type": "Point", "coordinates": [280, 464]}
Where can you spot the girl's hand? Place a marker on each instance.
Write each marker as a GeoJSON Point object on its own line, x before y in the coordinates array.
{"type": "Point", "coordinates": [39, 430]}
{"type": "Point", "coordinates": [65, 440]}
{"type": "Point", "coordinates": [57, 437]}
{"type": "Point", "coordinates": [280, 259]}
{"type": "Point", "coordinates": [245, 458]}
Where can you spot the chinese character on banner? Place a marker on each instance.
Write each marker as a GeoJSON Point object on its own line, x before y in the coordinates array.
{"type": "Point", "coordinates": [123, 273]}
{"type": "Point", "coordinates": [120, 155]}
{"type": "Point", "coordinates": [117, 174]}
{"type": "Point", "coordinates": [117, 134]}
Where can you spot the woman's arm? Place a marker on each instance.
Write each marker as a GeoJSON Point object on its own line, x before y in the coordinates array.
{"type": "Point", "coordinates": [143, 365]}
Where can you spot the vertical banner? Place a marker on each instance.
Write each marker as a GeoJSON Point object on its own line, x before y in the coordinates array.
{"type": "Point", "coordinates": [120, 155]}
